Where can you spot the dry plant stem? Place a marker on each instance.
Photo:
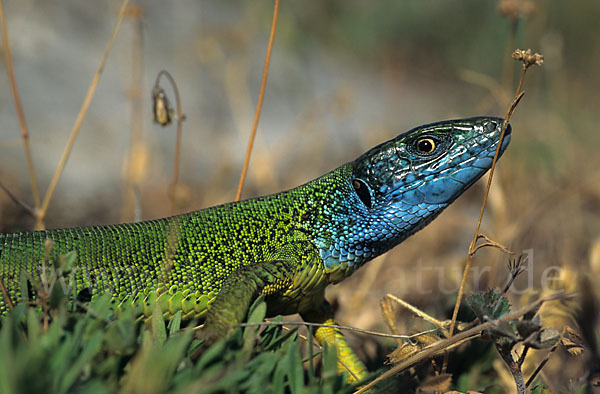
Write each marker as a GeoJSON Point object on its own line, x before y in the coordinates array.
{"type": "Point", "coordinates": [416, 311]}
{"type": "Point", "coordinates": [30, 210]}
{"type": "Point", "coordinates": [515, 371]}
{"type": "Point", "coordinates": [5, 294]}
{"type": "Point", "coordinates": [443, 345]}
{"type": "Point", "coordinates": [542, 364]}
{"type": "Point", "coordinates": [308, 324]}
{"type": "Point", "coordinates": [19, 107]}
{"type": "Point", "coordinates": [259, 104]}
{"type": "Point", "coordinates": [80, 117]}
{"type": "Point", "coordinates": [180, 119]}
{"type": "Point", "coordinates": [472, 246]}
{"type": "Point", "coordinates": [388, 316]}
{"type": "Point", "coordinates": [137, 115]}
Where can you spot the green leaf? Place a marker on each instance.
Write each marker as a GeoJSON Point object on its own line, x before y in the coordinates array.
{"type": "Point", "coordinates": [24, 286]}
{"type": "Point", "coordinates": [271, 333]}
{"type": "Point", "coordinates": [101, 306]}
{"type": "Point", "coordinates": [501, 307]}
{"type": "Point", "coordinates": [295, 371]}
{"type": "Point", "coordinates": [90, 349]}
{"type": "Point", "coordinates": [158, 325]}
{"type": "Point", "coordinates": [256, 314]}
{"type": "Point", "coordinates": [212, 355]}
{"type": "Point", "coordinates": [67, 261]}
{"type": "Point", "coordinates": [504, 328]}
{"type": "Point", "coordinates": [175, 323]}
{"type": "Point", "coordinates": [282, 338]}
{"type": "Point", "coordinates": [261, 368]}
{"type": "Point", "coordinates": [257, 311]}
{"type": "Point", "coordinates": [121, 337]}
{"type": "Point", "coordinates": [34, 328]}
{"type": "Point", "coordinates": [329, 360]}
{"type": "Point", "coordinates": [58, 295]}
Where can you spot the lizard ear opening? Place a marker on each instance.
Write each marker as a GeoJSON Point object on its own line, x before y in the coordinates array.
{"type": "Point", "coordinates": [362, 191]}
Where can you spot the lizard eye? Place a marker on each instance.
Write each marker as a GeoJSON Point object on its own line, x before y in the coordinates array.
{"type": "Point", "coordinates": [425, 145]}
{"type": "Point", "coordinates": [362, 191]}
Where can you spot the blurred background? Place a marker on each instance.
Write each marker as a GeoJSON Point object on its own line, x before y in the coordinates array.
{"type": "Point", "coordinates": [344, 76]}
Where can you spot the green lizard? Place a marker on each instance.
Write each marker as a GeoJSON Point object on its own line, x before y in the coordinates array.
{"type": "Point", "coordinates": [211, 264]}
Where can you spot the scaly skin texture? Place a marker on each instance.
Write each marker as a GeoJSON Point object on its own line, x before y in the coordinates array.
{"type": "Point", "coordinates": [289, 246]}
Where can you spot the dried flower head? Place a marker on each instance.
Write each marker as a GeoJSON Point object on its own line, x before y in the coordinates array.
{"type": "Point", "coordinates": [161, 108]}
{"type": "Point", "coordinates": [513, 9]}
{"type": "Point", "coordinates": [527, 58]}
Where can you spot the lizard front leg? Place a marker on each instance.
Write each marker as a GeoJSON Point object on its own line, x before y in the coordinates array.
{"type": "Point", "coordinates": [239, 290]}
{"type": "Point", "coordinates": [348, 361]}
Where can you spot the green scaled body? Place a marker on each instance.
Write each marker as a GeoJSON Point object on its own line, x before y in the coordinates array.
{"type": "Point", "coordinates": [181, 261]}
{"type": "Point", "coordinates": [288, 246]}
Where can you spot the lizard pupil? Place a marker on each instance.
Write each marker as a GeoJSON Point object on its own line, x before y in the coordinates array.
{"type": "Point", "coordinates": [362, 191]}
{"type": "Point", "coordinates": [425, 145]}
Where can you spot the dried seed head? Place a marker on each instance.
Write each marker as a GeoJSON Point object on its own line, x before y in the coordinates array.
{"type": "Point", "coordinates": [161, 108]}
{"type": "Point", "coordinates": [513, 9]}
{"type": "Point", "coordinates": [527, 58]}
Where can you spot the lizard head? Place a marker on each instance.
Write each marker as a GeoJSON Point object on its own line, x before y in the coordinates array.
{"type": "Point", "coordinates": [398, 187]}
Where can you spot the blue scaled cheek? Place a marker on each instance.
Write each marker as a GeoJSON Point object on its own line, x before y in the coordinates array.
{"type": "Point", "coordinates": [441, 190]}
{"type": "Point", "coordinates": [411, 209]}
{"type": "Point", "coordinates": [424, 200]}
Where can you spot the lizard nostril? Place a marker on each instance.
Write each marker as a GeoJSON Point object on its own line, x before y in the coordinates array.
{"type": "Point", "coordinates": [491, 126]}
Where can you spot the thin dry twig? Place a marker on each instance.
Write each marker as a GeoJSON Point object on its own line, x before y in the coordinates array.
{"type": "Point", "coordinates": [309, 324]}
{"type": "Point", "coordinates": [472, 246]}
{"type": "Point", "coordinates": [416, 311]}
{"type": "Point", "coordinates": [19, 108]}
{"type": "Point", "coordinates": [491, 243]}
{"type": "Point", "coordinates": [81, 116]}
{"type": "Point", "coordinates": [7, 299]}
{"type": "Point", "coordinates": [259, 104]}
{"type": "Point", "coordinates": [443, 345]}
{"type": "Point", "coordinates": [136, 155]}
{"type": "Point", "coordinates": [542, 364]}
{"type": "Point", "coordinates": [17, 201]}
{"type": "Point", "coordinates": [348, 328]}
{"type": "Point", "coordinates": [528, 60]}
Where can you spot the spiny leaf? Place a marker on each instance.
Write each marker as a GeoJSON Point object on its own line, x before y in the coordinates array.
{"type": "Point", "coordinates": [489, 306]}
{"type": "Point", "coordinates": [504, 328]}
